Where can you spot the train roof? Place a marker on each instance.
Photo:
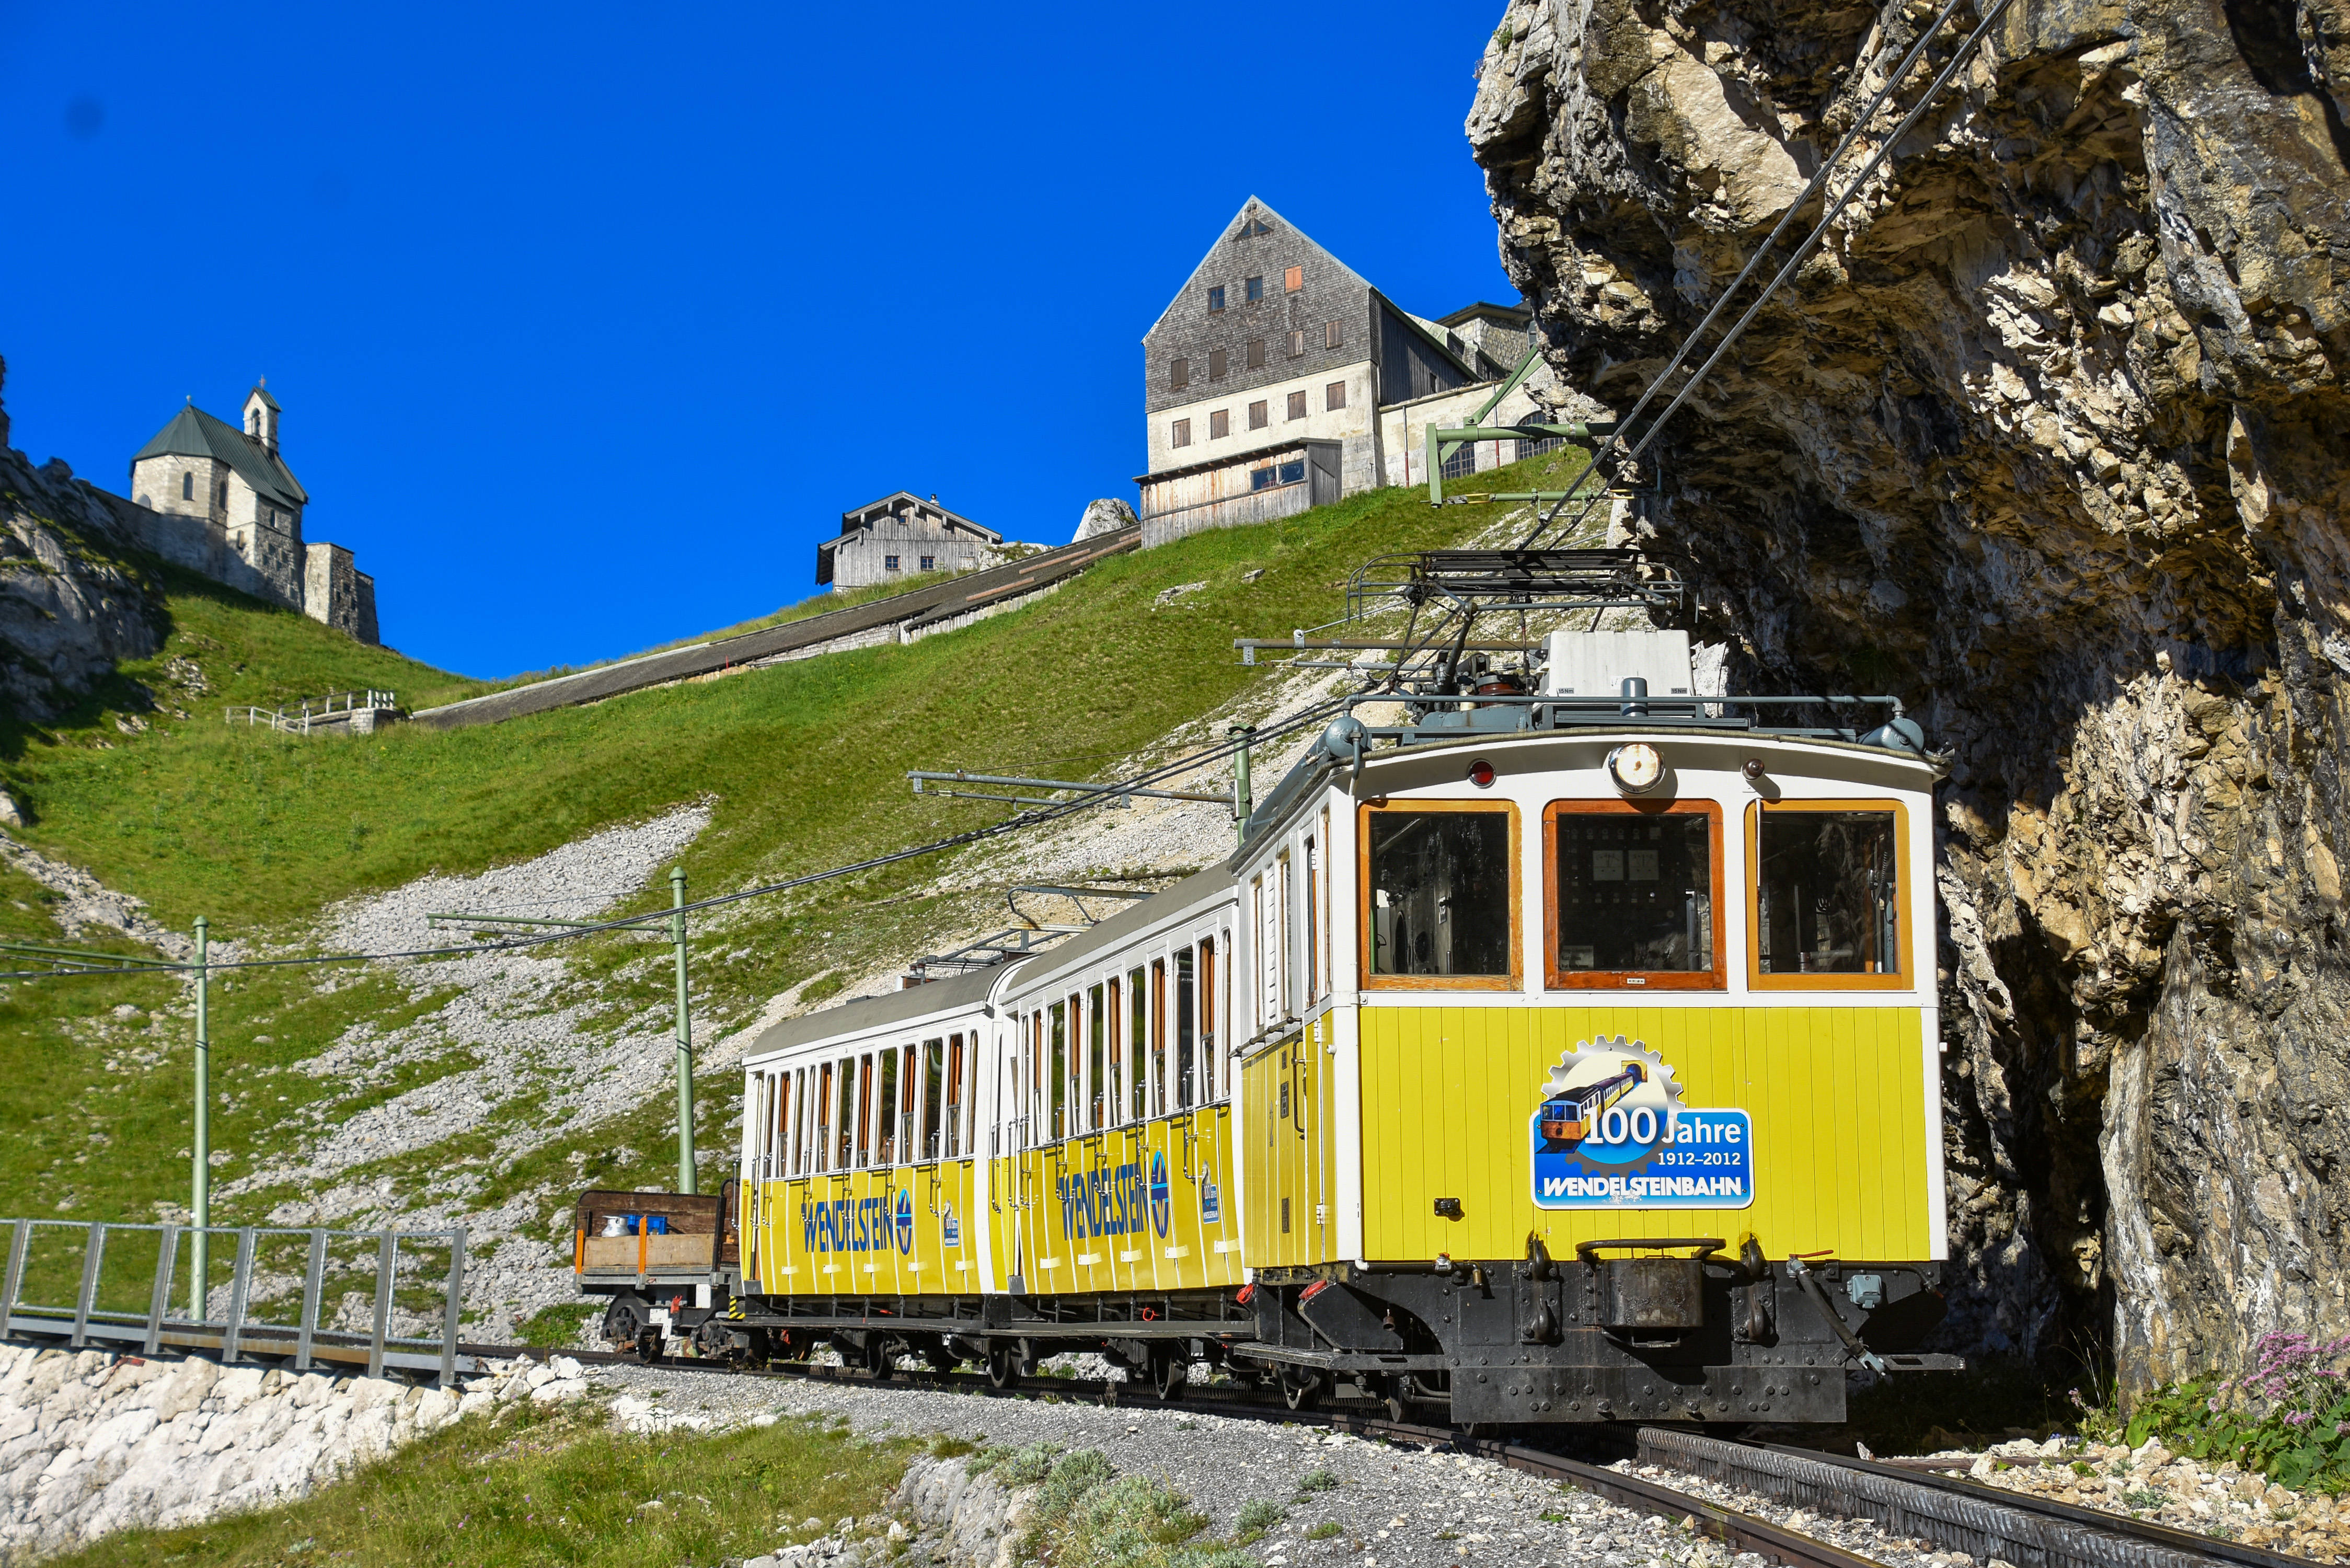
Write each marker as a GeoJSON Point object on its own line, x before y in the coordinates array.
{"type": "Point", "coordinates": [964, 991]}
{"type": "Point", "coordinates": [1136, 917]}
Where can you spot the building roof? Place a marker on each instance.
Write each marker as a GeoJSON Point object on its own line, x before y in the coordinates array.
{"type": "Point", "coordinates": [1514, 314]}
{"type": "Point", "coordinates": [1252, 212]}
{"type": "Point", "coordinates": [195, 433]}
{"type": "Point", "coordinates": [261, 391]}
{"type": "Point", "coordinates": [854, 518]}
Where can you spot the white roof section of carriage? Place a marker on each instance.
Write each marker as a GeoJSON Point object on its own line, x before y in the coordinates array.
{"type": "Point", "coordinates": [964, 994]}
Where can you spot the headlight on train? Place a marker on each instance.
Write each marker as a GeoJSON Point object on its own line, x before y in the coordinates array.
{"type": "Point", "coordinates": [1636, 768]}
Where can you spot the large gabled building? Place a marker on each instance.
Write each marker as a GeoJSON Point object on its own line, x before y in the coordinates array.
{"type": "Point", "coordinates": [1279, 378]}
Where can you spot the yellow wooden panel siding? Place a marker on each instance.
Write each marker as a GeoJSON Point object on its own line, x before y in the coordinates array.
{"type": "Point", "coordinates": [1120, 1245]}
{"type": "Point", "coordinates": [862, 1251]}
{"type": "Point", "coordinates": [1835, 1095]}
{"type": "Point", "coordinates": [1294, 1156]}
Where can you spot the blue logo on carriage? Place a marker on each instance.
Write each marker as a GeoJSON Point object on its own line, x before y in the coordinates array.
{"type": "Point", "coordinates": [1159, 1210]}
{"type": "Point", "coordinates": [1211, 1199]}
{"type": "Point", "coordinates": [1611, 1133]}
{"type": "Point", "coordinates": [905, 1219]}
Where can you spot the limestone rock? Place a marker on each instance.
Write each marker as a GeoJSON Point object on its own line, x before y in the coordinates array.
{"type": "Point", "coordinates": [71, 603]}
{"type": "Point", "coordinates": [2046, 438]}
{"type": "Point", "coordinates": [1105, 516]}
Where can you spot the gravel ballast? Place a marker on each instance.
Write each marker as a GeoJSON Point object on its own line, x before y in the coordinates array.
{"type": "Point", "coordinates": [1393, 1505]}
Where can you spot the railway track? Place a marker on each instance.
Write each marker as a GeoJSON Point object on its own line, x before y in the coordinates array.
{"type": "Point", "coordinates": [1954, 1514]}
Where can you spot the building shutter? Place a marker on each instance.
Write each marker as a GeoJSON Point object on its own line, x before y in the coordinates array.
{"type": "Point", "coordinates": [1219, 364]}
{"type": "Point", "coordinates": [1256, 353]}
{"type": "Point", "coordinates": [1179, 374]}
{"type": "Point", "coordinates": [1219, 424]}
{"type": "Point", "coordinates": [1294, 279]}
{"type": "Point", "coordinates": [1334, 396]}
{"type": "Point", "coordinates": [1259, 416]}
{"type": "Point", "coordinates": [1296, 405]}
{"type": "Point", "coordinates": [1297, 344]}
{"type": "Point", "coordinates": [1334, 335]}
{"type": "Point", "coordinates": [1182, 435]}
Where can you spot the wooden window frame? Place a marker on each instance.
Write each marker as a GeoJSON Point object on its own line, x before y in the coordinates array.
{"type": "Point", "coordinates": [1292, 279]}
{"type": "Point", "coordinates": [1219, 424]}
{"type": "Point", "coordinates": [1557, 979]}
{"type": "Point", "coordinates": [1364, 979]}
{"type": "Point", "coordinates": [1260, 413]}
{"type": "Point", "coordinates": [1334, 397]}
{"type": "Point", "coordinates": [1903, 979]}
{"type": "Point", "coordinates": [1179, 433]}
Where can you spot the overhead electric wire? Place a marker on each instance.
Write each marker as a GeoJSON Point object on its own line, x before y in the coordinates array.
{"type": "Point", "coordinates": [1032, 818]}
{"type": "Point", "coordinates": [1818, 183]}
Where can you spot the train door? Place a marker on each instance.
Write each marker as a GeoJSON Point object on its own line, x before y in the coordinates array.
{"type": "Point", "coordinates": [1004, 1186]}
{"type": "Point", "coordinates": [1314, 1079]}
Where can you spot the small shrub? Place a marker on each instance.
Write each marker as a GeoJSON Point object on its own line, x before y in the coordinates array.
{"type": "Point", "coordinates": [1324, 1479]}
{"type": "Point", "coordinates": [1324, 1530]}
{"type": "Point", "coordinates": [2288, 1418]}
{"type": "Point", "coordinates": [1017, 1467]}
{"type": "Point", "coordinates": [1256, 1519]}
{"type": "Point", "coordinates": [944, 1447]}
{"type": "Point", "coordinates": [2145, 1497]}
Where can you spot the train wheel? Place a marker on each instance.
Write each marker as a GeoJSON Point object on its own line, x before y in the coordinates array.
{"type": "Point", "coordinates": [790, 1347]}
{"type": "Point", "coordinates": [1300, 1388]}
{"type": "Point", "coordinates": [1003, 1367]}
{"type": "Point", "coordinates": [880, 1360]}
{"type": "Point", "coordinates": [625, 1320]}
{"type": "Point", "coordinates": [1168, 1372]}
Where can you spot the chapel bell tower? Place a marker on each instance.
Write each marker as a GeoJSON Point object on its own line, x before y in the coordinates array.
{"type": "Point", "coordinates": [261, 416]}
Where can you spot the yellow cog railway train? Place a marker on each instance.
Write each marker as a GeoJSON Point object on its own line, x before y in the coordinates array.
{"type": "Point", "coordinates": [1569, 1059]}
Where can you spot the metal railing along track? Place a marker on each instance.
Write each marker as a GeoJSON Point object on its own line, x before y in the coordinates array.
{"type": "Point", "coordinates": [94, 1319]}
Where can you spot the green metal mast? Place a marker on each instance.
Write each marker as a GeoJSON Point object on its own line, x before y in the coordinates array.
{"type": "Point", "coordinates": [685, 1179]}
{"type": "Point", "coordinates": [1243, 802]}
{"type": "Point", "coordinates": [202, 1202]}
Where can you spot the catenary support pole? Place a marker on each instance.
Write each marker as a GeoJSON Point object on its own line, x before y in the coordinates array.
{"type": "Point", "coordinates": [200, 1203]}
{"type": "Point", "coordinates": [684, 1039]}
{"type": "Point", "coordinates": [1243, 804]}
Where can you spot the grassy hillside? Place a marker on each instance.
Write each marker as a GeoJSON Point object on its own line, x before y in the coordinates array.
{"type": "Point", "coordinates": [802, 766]}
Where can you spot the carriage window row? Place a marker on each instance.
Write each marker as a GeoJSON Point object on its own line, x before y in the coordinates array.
{"type": "Point", "coordinates": [1633, 895]}
{"type": "Point", "coordinates": [1145, 1041]}
{"type": "Point", "coordinates": [892, 1105]}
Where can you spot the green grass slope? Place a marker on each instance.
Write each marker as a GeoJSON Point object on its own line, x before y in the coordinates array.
{"type": "Point", "coordinates": [802, 766]}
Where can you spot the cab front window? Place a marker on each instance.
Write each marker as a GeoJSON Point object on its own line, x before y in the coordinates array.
{"type": "Point", "coordinates": [1828, 895]}
{"type": "Point", "coordinates": [1633, 894]}
{"type": "Point", "coordinates": [1440, 884]}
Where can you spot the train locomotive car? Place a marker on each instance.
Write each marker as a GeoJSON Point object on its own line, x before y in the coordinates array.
{"type": "Point", "coordinates": [1564, 1062]}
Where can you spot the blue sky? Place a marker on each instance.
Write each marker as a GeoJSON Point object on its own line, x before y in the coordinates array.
{"type": "Point", "coordinates": [588, 322]}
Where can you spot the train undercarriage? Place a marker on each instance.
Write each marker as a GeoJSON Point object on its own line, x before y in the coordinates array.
{"type": "Point", "coordinates": [1593, 1337]}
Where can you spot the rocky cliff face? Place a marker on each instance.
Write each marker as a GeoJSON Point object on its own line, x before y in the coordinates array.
{"type": "Point", "coordinates": [69, 606]}
{"type": "Point", "coordinates": [2047, 438]}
